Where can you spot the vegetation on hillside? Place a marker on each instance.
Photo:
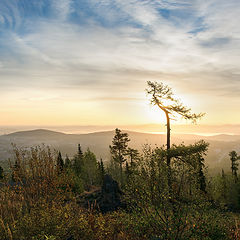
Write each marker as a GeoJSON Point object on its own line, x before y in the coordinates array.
{"type": "Point", "coordinates": [159, 193]}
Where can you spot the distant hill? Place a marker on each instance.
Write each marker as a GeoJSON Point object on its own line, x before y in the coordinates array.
{"type": "Point", "coordinates": [98, 142]}
{"type": "Point", "coordinates": [225, 137]}
{"type": "Point", "coordinates": [35, 133]}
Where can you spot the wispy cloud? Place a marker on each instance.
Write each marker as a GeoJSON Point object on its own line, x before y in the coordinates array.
{"type": "Point", "coordinates": [62, 8]}
{"type": "Point", "coordinates": [116, 45]}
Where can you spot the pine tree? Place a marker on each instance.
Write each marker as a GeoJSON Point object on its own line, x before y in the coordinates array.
{"type": "Point", "coordinates": [67, 162]}
{"type": "Point", "coordinates": [80, 153]}
{"type": "Point", "coordinates": [60, 163]}
{"type": "Point", "coordinates": [127, 171]}
{"type": "Point", "coordinates": [101, 170]}
{"type": "Point", "coordinates": [133, 155]}
{"type": "Point", "coordinates": [163, 97]}
{"type": "Point", "coordinates": [119, 149]}
{"type": "Point", "coordinates": [201, 176]}
{"type": "Point", "coordinates": [234, 165]}
{"type": "Point", "coordinates": [89, 171]}
{"type": "Point", "coordinates": [78, 163]}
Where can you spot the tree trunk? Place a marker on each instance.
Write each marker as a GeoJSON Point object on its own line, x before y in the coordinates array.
{"type": "Point", "coordinates": [168, 135]}
{"type": "Point", "coordinates": [168, 156]}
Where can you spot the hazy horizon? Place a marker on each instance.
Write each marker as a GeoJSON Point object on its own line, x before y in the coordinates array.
{"type": "Point", "coordinates": [204, 130]}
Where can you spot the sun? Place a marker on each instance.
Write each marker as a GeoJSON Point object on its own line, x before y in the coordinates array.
{"type": "Point", "coordinates": [153, 114]}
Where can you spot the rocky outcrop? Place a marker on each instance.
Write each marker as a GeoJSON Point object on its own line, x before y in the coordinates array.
{"type": "Point", "coordinates": [106, 199]}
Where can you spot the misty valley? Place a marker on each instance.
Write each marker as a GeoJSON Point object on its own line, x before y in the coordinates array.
{"type": "Point", "coordinates": [217, 157]}
{"type": "Point", "coordinates": [116, 185]}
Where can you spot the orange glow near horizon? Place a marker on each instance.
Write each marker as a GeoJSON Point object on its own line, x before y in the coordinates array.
{"type": "Point", "coordinates": [79, 108]}
{"type": "Point", "coordinates": [57, 69]}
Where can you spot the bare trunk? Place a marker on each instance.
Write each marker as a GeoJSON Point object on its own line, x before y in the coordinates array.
{"type": "Point", "coordinates": [168, 155]}
{"type": "Point", "coordinates": [168, 135]}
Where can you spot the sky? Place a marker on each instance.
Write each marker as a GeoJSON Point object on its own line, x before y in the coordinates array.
{"type": "Point", "coordinates": [86, 62]}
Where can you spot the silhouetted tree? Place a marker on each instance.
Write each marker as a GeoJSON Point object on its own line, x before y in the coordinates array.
{"type": "Point", "coordinates": [201, 176]}
{"type": "Point", "coordinates": [119, 149]}
{"type": "Point", "coordinates": [127, 171]}
{"type": "Point", "coordinates": [162, 96]}
{"type": "Point", "coordinates": [234, 165]}
{"type": "Point", "coordinates": [133, 155]}
{"type": "Point", "coordinates": [60, 163]}
{"type": "Point", "coordinates": [101, 170]}
{"type": "Point", "coordinates": [80, 153]}
{"type": "Point", "coordinates": [78, 161]}
{"type": "Point", "coordinates": [90, 168]}
{"type": "Point", "coordinates": [67, 162]}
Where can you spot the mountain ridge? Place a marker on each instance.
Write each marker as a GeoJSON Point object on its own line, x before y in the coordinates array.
{"type": "Point", "coordinates": [98, 142]}
{"type": "Point", "coordinates": [41, 132]}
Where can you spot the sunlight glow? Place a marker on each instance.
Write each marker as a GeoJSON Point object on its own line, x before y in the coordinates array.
{"type": "Point", "coordinates": [154, 114]}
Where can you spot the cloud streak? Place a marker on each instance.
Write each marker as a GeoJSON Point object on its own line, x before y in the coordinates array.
{"type": "Point", "coordinates": [108, 46]}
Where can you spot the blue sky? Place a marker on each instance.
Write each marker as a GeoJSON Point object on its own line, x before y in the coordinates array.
{"type": "Point", "coordinates": [60, 55]}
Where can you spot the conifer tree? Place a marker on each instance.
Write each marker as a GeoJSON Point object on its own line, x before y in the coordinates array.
{"type": "Point", "coordinates": [234, 165]}
{"type": "Point", "coordinates": [78, 164]}
{"type": "Point", "coordinates": [127, 171]}
{"type": "Point", "coordinates": [101, 170]}
{"type": "Point", "coordinates": [60, 163]}
{"type": "Point", "coordinates": [119, 149]}
{"type": "Point", "coordinates": [133, 155]}
{"type": "Point", "coordinates": [163, 97]}
{"type": "Point", "coordinates": [201, 176]}
{"type": "Point", "coordinates": [89, 172]}
{"type": "Point", "coordinates": [67, 162]}
{"type": "Point", "coordinates": [80, 153]}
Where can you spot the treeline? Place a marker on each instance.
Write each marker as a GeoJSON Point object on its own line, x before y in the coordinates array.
{"type": "Point", "coordinates": [84, 169]}
{"type": "Point", "coordinates": [159, 193]}
{"type": "Point", "coordinates": [225, 187]}
{"type": "Point", "coordinates": [43, 196]}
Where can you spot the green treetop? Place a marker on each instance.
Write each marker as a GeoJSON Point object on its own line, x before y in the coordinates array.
{"type": "Point", "coordinates": [118, 149]}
